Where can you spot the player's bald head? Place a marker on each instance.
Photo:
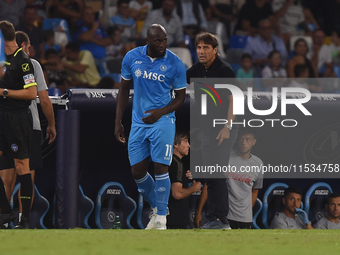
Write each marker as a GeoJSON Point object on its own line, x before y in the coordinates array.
{"type": "Point", "coordinates": [155, 30]}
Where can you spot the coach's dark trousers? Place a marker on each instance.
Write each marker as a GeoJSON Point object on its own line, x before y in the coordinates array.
{"type": "Point", "coordinates": [213, 155]}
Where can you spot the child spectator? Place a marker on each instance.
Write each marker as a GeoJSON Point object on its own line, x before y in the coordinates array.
{"type": "Point", "coordinates": [245, 75]}
{"type": "Point", "coordinates": [49, 42]}
{"type": "Point", "coordinates": [275, 69]}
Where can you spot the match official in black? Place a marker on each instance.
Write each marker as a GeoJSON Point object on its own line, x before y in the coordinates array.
{"type": "Point", "coordinates": [17, 89]}
{"type": "Point", "coordinates": [217, 142]}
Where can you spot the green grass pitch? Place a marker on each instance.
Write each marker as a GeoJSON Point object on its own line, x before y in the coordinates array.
{"type": "Point", "coordinates": [96, 242]}
{"type": "Point", "coordinates": [82, 241]}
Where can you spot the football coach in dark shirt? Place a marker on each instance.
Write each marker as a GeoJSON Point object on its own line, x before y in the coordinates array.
{"type": "Point", "coordinates": [216, 142]}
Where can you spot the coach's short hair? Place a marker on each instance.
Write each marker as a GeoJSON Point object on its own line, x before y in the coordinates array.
{"type": "Point", "coordinates": [207, 38]}
{"type": "Point", "coordinates": [7, 30]}
{"type": "Point", "coordinates": [332, 195]}
{"type": "Point", "coordinates": [291, 190]}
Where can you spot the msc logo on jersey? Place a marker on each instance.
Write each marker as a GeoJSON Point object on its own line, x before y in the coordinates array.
{"type": "Point", "coordinates": [150, 75]}
{"type": "Point", "coordinates": [138, 73]}
{"type": "Point", "coordinates": [25, 67]}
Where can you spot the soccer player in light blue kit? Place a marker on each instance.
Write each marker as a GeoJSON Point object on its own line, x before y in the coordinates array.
{"type": "Point", "coordinates": [156, 73]}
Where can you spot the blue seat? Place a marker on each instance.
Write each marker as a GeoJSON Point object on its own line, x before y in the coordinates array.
{"type": "Point", "coordinates": [257, 208]}
{"type": "Point", "coordinates": [272, 202]}
{"type": "Point", "coordinates": [39, 208]}
{"type": "Point", "coordinates": [235, 67]}
{"type": "Point", "coordinates": [112, 201]}
{"type": "Point", "coordinates": [315, 201]}
{"type": "Point", "coordinates": [86, 207]}
{"type": "Point", "coordinates": [238, 41]}
{"type": "Point", "coordinates": [54, 92]}
{"type": "Point", "coordinates": [143, 212]}
{"type": "Point", "coordinates": [337, 71]}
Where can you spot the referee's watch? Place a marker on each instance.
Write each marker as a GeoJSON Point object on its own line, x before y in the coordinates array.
{"type": "Point", "coordinates": [5, 93]}
{"type": "Point", "coordinates": [228, 126]}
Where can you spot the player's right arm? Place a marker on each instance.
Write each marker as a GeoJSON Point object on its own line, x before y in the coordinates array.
{"type": "Point", "coordinates": [122, 99]}
{"type": "Point", "coordinates": [123, 96]}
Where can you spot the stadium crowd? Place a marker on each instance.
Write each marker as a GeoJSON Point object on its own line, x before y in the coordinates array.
{"type": "Point", "coordinates": [259, 38]}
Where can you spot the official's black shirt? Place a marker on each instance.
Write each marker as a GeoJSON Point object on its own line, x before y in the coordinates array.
{"type": "Point", "coordinates": [19, 74]}
{"type": "Point", "coordinates": [178, 208]}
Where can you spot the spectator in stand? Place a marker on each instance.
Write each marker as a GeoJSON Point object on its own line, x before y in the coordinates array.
{"type": "Point", "coordinates": [49, 39]}
{"type": "Point", "coordinates": [252, 13]}
{"type": "Point", "coordinates": [70, 10]}
{"type": "Point", "coordinates": [260, 46]}
{"type": "Point", "coordinates": [334, 48]}
{"type": "Point", "coordinates": [34, 33]}
{"type": "Point", "coordinates": [80, 66]}
{"type": "Point", "coordinates": [139, 9]}
{"type": "Point", "coordinates": [91, 35]}
{"type": "Point", "coordinates": [293, 18]}
{"type": "Point", "coordinates": [192, 16]}
{"type": "Point", "coordinates": [55, 74]}
{"type": "Point", "coordinates": [117, 48]}
{"type": "Point", "coordinates": [172, 23]}
{"type": "Point", "coordinates": [321, 56]}
{"type": "Point", "coordinates": [12, 11]}
{"type": "Point", "coordinates": [126, 24]}
{"type": "Point", "coordinates": [245, 75]}
{"type": "Point", "coordinates": [273, 70]}
{"type": "Point", "coordinates": [300, 57]}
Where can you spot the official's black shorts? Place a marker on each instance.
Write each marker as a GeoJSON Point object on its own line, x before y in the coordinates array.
{"type": "Point", "coordinates": [35, 155]}
{"type": "Point", "coordinates": [16, 128]}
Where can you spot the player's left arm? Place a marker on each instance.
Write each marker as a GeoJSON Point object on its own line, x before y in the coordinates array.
{"type": "Point", "coordinates": [254, 194]}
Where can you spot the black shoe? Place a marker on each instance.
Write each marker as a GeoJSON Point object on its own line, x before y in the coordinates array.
{"type": "Point", "coordinates": [23, 224]}
{"type": "Point", "coordinates": [6, 218]}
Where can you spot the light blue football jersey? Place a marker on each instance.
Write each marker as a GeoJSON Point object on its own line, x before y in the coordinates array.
{"type": "Point", "coordinates": [154, 81]}
{"type": "Point", "coordinates": [2, 49]}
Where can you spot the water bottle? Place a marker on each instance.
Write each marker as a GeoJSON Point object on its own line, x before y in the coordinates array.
{"type": "Point", "coordinates": [116, 224]}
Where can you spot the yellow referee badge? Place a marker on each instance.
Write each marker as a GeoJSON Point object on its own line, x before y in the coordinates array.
{"type": "Point", "coordinates": [25, 67]}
